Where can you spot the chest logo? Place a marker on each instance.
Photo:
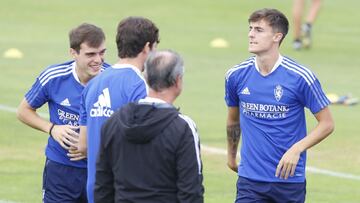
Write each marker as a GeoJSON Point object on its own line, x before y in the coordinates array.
{"type": "Point", "coordinates": [278, 92]}
{"type": "Point", "coordinates": [65, 102]}
{"type": "Point", "coordinates": [245, 91]}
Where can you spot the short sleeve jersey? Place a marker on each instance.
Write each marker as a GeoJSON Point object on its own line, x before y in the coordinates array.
{"type": "Point", "coordinates": [59, 86]}
{"type": "Point", "coordinates": [272, 117]}
{"type": "Point", "coordinates": [105, 94]}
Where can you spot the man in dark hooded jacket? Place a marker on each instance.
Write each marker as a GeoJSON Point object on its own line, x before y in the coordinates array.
{"type": "Point", "coordinates": [149, 151]}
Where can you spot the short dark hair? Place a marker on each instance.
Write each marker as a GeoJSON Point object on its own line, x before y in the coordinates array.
{"type": "Point", "coordinates": [162, 68]}
{"type": "Point", "coordinates": [132, 35]}
{"type": "Point", "coordinates": [88, 33]}
{"type": "Point", "coordinates": [275, 18]}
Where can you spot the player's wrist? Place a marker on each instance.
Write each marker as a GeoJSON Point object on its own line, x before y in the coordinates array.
{"type": "Point", "coordinates": [51, 128]}
{"type": "Point", "coordinates": [298, 148]}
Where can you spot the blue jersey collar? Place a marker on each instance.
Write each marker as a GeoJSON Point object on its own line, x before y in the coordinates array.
{"type": "Point", "coordinates": [125, 65]}
{"type": "Point", "coordinates": [73, 70]}
{"type": "Point", "coordinates": [134, 68]}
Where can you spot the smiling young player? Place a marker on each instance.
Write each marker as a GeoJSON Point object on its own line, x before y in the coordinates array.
{"type": "Point", "coordinates": [61, 86]}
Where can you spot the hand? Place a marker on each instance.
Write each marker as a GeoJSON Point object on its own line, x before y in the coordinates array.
{"type": "Point", "coordinates": [287, 163]}
{"type": "Point", "coordinates": [66, 135]}
{"type": "Point", "coordinates": [76, 155]}
{"type": "Point", "coordinates": [233, 166]}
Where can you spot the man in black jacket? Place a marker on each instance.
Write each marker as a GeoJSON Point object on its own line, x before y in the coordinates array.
{"type": "Point", "coordinates": [150, 152]}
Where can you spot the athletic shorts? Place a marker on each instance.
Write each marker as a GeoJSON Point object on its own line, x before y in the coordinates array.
{"type": "Point", "coordinates": [269, 192]}
{"type": "Point", "coordinates": [63, 184]}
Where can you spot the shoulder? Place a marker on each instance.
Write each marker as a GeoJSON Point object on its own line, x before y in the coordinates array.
{"type": "Point", "coordinates": [298, 70]}
{"type": "Point", "coordinates": [188, 121]}
{"type": "Point", "coordinates": [240, 67]}
{"type": "Point", "coordinates": [136, 73]}
{"type": "Point", "coordinates": [134, 78]}
{"type": "Point", "coordinates": [126, 71]}
{"type": "Point", "coordinates": [55, 71]}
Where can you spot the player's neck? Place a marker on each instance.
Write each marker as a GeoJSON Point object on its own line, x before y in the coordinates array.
{"type": "Point", "coordinates": [83, 78]}
{"type": "Point", "coordinates": [132, 61]}
{"type": "Point", "coordinates": [266, 62]}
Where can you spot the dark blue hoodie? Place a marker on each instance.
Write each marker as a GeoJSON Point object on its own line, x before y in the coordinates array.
{"type": "Point", "coordinates": [149, 153]}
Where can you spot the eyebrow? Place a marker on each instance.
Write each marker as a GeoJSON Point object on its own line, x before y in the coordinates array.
{"type": "Point", "coordinates": [94, 52]}
{"type": "Point", "coordinates": [256, 27]}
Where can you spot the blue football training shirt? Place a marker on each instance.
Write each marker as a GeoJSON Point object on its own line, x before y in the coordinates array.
{"type": "Point", "coordinates": [60, 87]}
{"type": "Point", "coordinates": [105, 94]}
{"type": "Point", "coordinates": [272, 117]}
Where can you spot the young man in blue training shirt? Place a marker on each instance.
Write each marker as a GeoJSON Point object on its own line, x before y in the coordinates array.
{"type": "Point", "coordinates": [122, 83]}
{"type": "Point", "coordinates": [266, 96]}
{"type": "Point", "coordinates": [61, 86]}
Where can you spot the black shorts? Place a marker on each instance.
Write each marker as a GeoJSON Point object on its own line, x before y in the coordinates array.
{"type": "Point", "coordinates": [256, 191]}
{"type": "Point", "coordinates": [65, 184]}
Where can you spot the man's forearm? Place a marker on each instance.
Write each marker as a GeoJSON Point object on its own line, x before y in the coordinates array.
{"type": "Point", "coordinates": [233, 138]}
{"type": "Point", "coordinates": [29, 116]}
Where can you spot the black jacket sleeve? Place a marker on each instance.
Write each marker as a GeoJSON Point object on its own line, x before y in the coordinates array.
{"type": "Point", "coordinates": [189, 167]}
{"type": "Point", "coordinates": [104, 183]}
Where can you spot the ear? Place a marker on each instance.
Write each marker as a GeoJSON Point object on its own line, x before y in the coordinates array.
{"type": "Point", "coordinates": [179, 81]}
{"type": "Point", "coordinates": [73, 53]}
{"type": "Point", "coordinates": [179, 85]}
{"type": "Point", "coordinates": [147, 48]}
{"type": "Point", "coordinates": [277, 37]}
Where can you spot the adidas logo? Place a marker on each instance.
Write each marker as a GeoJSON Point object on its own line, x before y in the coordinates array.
{"type": "Point", "coordinates": [245, 91]}
{"type": "Point", "coordinates": [65, 102]}
{"type": "Point", "coordinates": [104, 99]}
{"type": "Point", "coordinates": [103, 106]}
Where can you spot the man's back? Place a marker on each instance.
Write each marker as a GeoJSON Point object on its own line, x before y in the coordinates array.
{"type": "Point", "coordinates": [154, 153]}
{"type": "Point", "coordinates": [105, 94]}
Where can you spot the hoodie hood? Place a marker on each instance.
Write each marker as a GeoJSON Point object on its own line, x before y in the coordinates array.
{"type": "Point", "coordinates": [143, 122]}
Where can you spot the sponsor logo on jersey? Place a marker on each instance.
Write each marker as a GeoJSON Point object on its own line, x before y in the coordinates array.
{"type": "Point", "coordinates": [266, 111]}
{"type": "Point", "coordinates": [102, 108]}
{"type": "Point", "coordinates": [68, 118]}
{"type": "Point", "coordinates": [65, 102]}
{"type": "Point", "coordinates": [278, 92]}
{"type": "Point", "coordinates": [245, 91]}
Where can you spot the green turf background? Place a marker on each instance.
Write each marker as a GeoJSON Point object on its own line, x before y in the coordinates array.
{"type": "Point", "coordinates": [39, 29]}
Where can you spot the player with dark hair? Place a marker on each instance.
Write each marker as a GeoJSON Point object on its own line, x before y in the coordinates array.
{"type": "Point", "coordinates": [61, 86]}
{"type": "Point", "coordinates": [136, 38]}
{"type": "Point", "coordinates": [266, 96]}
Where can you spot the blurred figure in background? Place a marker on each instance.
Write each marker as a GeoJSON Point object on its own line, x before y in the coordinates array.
{"type": "Point", "coordinates": [302, 32]}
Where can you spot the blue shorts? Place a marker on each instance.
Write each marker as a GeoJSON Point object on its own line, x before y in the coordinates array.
{"type": "Point", "coordinates": [65, 184]}
{"type": "Point", "coordinates": [261, 192]}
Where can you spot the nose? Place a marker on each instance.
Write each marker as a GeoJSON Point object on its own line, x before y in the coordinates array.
{"type": "Point", "coordinates": [251, 33]}
{"type": "Point", "coordinates": [99, 58]}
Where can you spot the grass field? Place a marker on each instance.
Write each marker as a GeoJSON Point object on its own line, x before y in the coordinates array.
{"type": "Point", "coordinates": [39, 29]}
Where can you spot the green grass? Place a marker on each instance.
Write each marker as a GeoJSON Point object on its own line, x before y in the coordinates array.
{"type": "Point", "coordinates": [39, 29]}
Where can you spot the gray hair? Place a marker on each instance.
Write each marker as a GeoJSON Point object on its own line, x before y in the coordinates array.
{"type": "Point", "coordinates": [162, 68]}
